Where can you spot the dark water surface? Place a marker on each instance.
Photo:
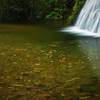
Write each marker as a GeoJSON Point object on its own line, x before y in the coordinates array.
{"type": "Point", "coordinates": [39, 63]}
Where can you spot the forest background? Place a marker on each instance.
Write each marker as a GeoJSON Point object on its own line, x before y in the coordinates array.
{"type": "Point", "coordinates": [34, 10]}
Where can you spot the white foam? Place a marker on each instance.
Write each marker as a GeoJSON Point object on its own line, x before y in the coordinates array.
{"type": "Point", "coordinates": [79, 32]}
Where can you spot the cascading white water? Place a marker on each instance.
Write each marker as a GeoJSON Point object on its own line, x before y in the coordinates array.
{"type": "Point", "coordinates": [89, 17]}
{"type": "Point", "coordinates": [88, 21]}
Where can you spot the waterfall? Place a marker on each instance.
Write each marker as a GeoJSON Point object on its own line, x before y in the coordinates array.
{"type": "Point", "coordinates": [89, 17]}
{"type": "Point", "coordinates": [88, 21]}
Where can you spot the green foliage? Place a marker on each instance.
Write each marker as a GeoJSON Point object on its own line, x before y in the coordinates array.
{"type": "Point", "coordinates": [33, 9]}
{"type": "Point", "coordinates": [38, 9]}
{"type": "Point", "coordinates": [77, 7]}
{"type": "Point", "coordinates": [55, 15]}
{"type": "Point", "coordinates": [13, 9]}
{"type": "Point", "coordinates": [57, 12]}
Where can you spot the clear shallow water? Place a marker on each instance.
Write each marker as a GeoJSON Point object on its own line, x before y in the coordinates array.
{"type": "Point", "coordinates": [45, 64]}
